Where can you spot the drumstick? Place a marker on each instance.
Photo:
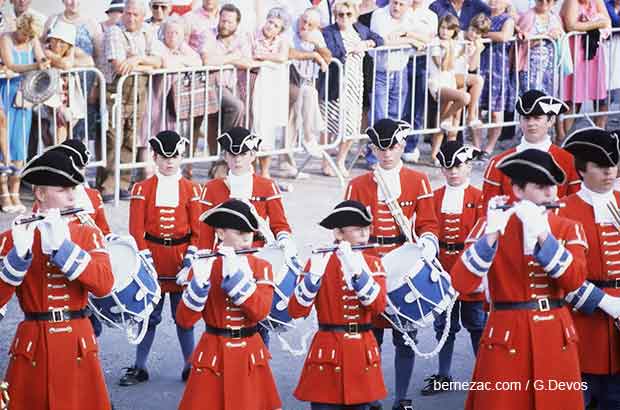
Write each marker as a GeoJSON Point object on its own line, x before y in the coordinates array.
{"type": "Point", "coordinates": [354, 248]}
{"type": "Point", "coordinates": [547, 206]}
{"type": "Point", "coordinates": [39, 217]}
{"type": "Point", "coordinates": [239, 252]}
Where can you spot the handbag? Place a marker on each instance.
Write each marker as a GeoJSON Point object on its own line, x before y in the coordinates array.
{"type": "Point", "coordinates": [192, 98]}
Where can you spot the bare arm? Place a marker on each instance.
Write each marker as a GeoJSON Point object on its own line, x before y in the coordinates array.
{"type": "Point", "coordinates": [504, 34]}
{"type": "Point", "coordinates": [570, 17]}
{"type": "Point", "coordinates": [7, 57]}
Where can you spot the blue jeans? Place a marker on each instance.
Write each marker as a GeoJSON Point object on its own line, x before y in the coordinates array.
{"type": "Point", "coordinates": [473, 317]}
{"type": "Point", "coordinates": [606, 389]}
{"type": "Point", "coordinates": [419, 89]}
{"type": "Point", "coordinates": [322, 406]}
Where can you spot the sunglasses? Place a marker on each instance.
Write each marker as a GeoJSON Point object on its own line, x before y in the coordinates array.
{"type": "Point", "coordinates": [343, 15]}
{"type": "Point", "coordinates": [158, 6]}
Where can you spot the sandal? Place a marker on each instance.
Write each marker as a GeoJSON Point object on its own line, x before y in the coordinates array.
{"type": "Point", "coordinates": [19, 208]}
{"type": "Point", "coordinates": [312, 148]}
{"type": "Point", "coordinates": [328, 171]}
{"type": "Point", "coordinates": [6, 205]}
{"type": "Point", "coordinates": [288, 171]}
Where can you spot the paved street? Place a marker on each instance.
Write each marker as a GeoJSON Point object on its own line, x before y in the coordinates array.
{"type": "Point", "coordinates": [309, 201]}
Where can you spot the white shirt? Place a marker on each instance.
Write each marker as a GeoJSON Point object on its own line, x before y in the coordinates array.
{"type": "Point", "coordinates": [599, 202]}
{"type": "Point", "coordinates": [241, 186]}
{"type": "Point", "coordinates": [543, 145]}
{"type": "Point", "coordinates": [392, 180]}
{"type": "Point", "coordinates": [384, 24]}
{"type": "Point", "coordinates": [453, 199]}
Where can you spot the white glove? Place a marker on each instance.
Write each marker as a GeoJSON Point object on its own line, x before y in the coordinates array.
{"type": "Point", "coordinates": [23, 235]}
{"type": "Point", "coordinates": [318, 263]}
{"type": "Point", "coordinates": [288, 246]}
{"type": "Point", "coordinates": [202, 271]}
{"type": "Point", "coordinates": [610, 305]}
{"type": "Point", "coordinates": [231, 262]}
{"type": "Point", "coordinates": [352, 262]}
{"type": "Point", "coordinates": [428, 248]}
{"type": "Point", "coordinates": [54, 230]}
{"type": "Point", "coordinates": [534, 218]}
{"type": "Point", "coordinates": [497, 219]}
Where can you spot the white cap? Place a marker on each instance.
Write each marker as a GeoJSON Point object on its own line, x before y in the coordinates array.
{"type": "Point", "coordinates": [63, 31]}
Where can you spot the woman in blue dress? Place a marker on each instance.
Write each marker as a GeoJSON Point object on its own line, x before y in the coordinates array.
{"type": "Point", "coordinates": [21, 52]}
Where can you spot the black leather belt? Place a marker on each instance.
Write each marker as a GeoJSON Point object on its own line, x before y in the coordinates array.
{"type": "Point", "coordinates": [452, 247]}
{"type": "Point", "coordinates": [348, 328]}
{"type": "Point", "coordinates": [167, 241]}
{"type": "Point", "coordinates": [541, 305]}
{"type": "Point", "coordinates": [388, 240]}
{"type": "Point", "coordinates": [57, 315]}
{"type": "Point", "coordinates": [606, 283]}
{"type": "Point", "coordinates": [240, 333]}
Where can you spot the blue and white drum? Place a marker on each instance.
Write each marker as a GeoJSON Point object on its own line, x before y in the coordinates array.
{"type": "Point", "coordinates": [285, 277]}
{"type": "Point", "coordinates": [418, 291]}
{"type": "Point", "coordinates": [135, 293]}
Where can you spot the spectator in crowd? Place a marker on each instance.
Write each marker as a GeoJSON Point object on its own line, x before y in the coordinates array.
{"type": "Point", "coordinates": [613, 8]}
{"type": "Point", "coordinates": [367, 7]}
{"type": "Point", "coordinates": [535, 59]}
{"type": "Point", "coordinates": [182, 7]}
{"type": "Point", "coordinates": [160, 10]}
{"type": "Point", "coordinates": [20, 7]}
{"type": "Point", "coordinates": [252, 12]}
{"type": "Point", "coordinates": [463, 10]}
{"type": "Point", "coordinates": [128, 48]}
{"type": "Point", "coordinates": [347, 40]}
{"type": "Point", "coordinates": [21, 52]}
{"type": "Point", "coordinates": [69, 105]}
{"type": "Point", "coordinates": [114, 14]}
{"type": "Point", "coordinates": [423, 28]}
{"type": "Point", "coordinates": [269, 101]}
{"type": "Point", "coordinates": [309, 54]}
{"type": "Point", "coordinates": [175, 54]}
{"type": "Point", "coordinates": [202, 24]}
{"type": "Point", "coordinates": [391, 85]}
{"type": "Point", "coordinates": [495, 67]}
{"type": "Point", "coordinates": [589, 78]}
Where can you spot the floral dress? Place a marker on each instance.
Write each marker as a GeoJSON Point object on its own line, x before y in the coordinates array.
{"type": "Point", "coordinates": [538, 73]}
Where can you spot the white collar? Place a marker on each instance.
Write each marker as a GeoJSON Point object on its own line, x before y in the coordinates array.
{"type": "Point", "coordinates": [542, 146]}
{"type": "Point", "coordinates": [167, 192]}
{"type": "Point", "coordinates": [241, 186]}
{"type": "Point", "coordinates": [453, 198]}
{"type": "Point", "coordinates": [599, 204]}
{"type": "Point", "coordinates": [392, 180]}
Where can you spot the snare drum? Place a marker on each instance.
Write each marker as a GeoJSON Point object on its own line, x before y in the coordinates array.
{"type": "Point", "coordinates": [135, 293]}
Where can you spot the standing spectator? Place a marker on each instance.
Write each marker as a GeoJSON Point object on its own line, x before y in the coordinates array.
{"type": "Point", "coordinates": [391, 85]}
{"type": "Point", "coordinates": [269, 101]}
{"type": "Point", "coordinates": [347, 40]}
{"type": "Point", "coordinates": [535, 59]}
{"type": "Point", "coordinates": [87, 29]}
{"type": "Point", "coordinates": [613, 8]}
{"type": "Point", "coordinates": [589, 78]}
{"type": "Point", "coordinates": [128, 48]}
{"type": "Point", "coordinates": [114, 14]}
{"type": "Point", "coordinates": [160, 10]}
{"type": "Point", "coordinates": [21, 52]}
{"type": "Point", "coordinates": [495, 67]}
{"type": "Point", "coordinates": [202, 23]}
{"type": "Point", "coordinates": [464, 10]}
{"type": "Point", "coordinates": [21, 7]}
{"type": "Point", "coordinates": [252, 12]}
{"type": "Point", "coordinates": [309, 54]}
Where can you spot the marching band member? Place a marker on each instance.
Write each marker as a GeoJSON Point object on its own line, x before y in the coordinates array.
{"type": "Point", "coordinates": [458, 205]}
{"type": "Point", "coordinates": [538, 112]}
{"type": "Point", "coordinates": [597, 154]}
{"type": "Point", "coordinates": [347, 289]}
{"type": "Point", "coordinates": [230, 367]}
{"type": "Point", "coordinates": [163, 219]}
{"type": "Point", "coordinates": [240, 147]}
{"type": "Point", "coordinates": [52, 265]}
{"type": "Point", "coordinates": [527, 260]}
{"type": "Point", "coordinates": [410, 194]}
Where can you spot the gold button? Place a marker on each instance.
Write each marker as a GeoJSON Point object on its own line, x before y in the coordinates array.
{"type": "Point", "coordinates": [34, 364]}
{"type": "Point", "coordinates": [513, 351]}
{"type": "Point", "coordinates": [367, 369]}
{"type": "Point", "coordinates": [490, 347]}
{"type": "Point", "coordinates": [320, 368]}
{"type": "Point", "coordinates": [48, 264]}
{"type": "Point", "coordinates": [337, 369]}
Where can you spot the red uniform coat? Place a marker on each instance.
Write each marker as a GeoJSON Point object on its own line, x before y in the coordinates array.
{"type": "Point", "coordinates": [98, 216]}
{"type": "Point", "coordinates": [346, 367]}
{"type": "Point", "coordinates": [55, 365]}
{"type": "Point", "coordinates": [165, 222]}
{"type": "Point", "coordinates": [599, 350]}
{"type": "Point", "coordinates": [496, 183]}
{"type": "Point", "coordinates": [454, 229]}
{"type": "Point", "coordinates": [416, 198]}
{"type": "Point", "coordinates": [266, 198]}
{"type": "Point", "coordinates": [231, 374]}
{"type": "Point", "coordinates": [526, 346]}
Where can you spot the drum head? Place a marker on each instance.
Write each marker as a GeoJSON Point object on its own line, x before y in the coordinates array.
{"type": "Point", "coordinates": [124, 261]}
{"type": "Point", "coordinates": [275, 256]}
{"type": "Point", "coordinates": [401, 262]}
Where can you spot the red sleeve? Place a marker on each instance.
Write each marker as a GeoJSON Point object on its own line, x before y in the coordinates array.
{"type": "Point", "coordinates": [295, 309]}
{"type": "Point", "coordinates": [275, 211]}
{"type": "Point", "coordinates": [352, 193]}
{"type": "Point", "coordinates": [185, 317]}
{"type": "Point", "coordinates": [426, 218]}
{"type": "Point", "coordinates": [6, 290]}
{"type": "Point", "coordinates": [575, 243]}
{"type": "Point", "coordinates": [100, 219]}
{"type": "Point", "coordinates": [206, 234]}
{"type": "Point", "coordinates": [97, 277]}
{"type": "Point", "coordinates": [258, 306]}
{"type": "Point", "coordinates": [195, 210]}
{"type": "Point", "coordinates": [379, 275]}
{"type": "Point", "coordinates": [463, 280]}
{"type": "Point", "coordinates": [573, 180]}
{"type": "Point", "coordinates": [137, 215]}
{"type": "Point", "coordinates": [492, 185]}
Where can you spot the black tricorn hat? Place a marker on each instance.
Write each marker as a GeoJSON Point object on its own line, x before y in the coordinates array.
{"type": "Point", "coordinates": [453, 153]}
{"type": "Point", "coordinates": [76, 150]}
{"type": "Point", "coordinates": [594, 144]}
{"type": "Point", "coordinates": [387, 132]}
{"type": "Point", "coordinates": [52, 168]}
{"type": "Point", "coordinates": [532, 165]}
{"type": "Point", "coordinates": [347, 213]}
{"type": "Point", "coordinates": [232, 214]}
{"type": "Point", "coordinates": [536, 102]}
{"type": "Point", "coordinates": [238, 140]}
{"type": "Point", "coordinates": [168, 144]}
